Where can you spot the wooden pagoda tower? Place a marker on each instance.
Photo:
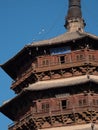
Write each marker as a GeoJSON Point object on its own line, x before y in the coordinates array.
{"type": "Point", "coordinates": [56, 80]}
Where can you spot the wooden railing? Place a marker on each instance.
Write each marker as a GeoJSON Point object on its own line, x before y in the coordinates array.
{"type": "Point", "coordinates": [33, 115]}
{"type": "Point", "coordinates": [75, 58]}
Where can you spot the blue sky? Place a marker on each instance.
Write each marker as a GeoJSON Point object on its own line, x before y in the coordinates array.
{"type": "Point", "coordinates": [25, 21]}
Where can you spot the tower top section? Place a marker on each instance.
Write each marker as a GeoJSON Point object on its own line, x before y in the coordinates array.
{"type": "Point", "coordinates": [74, 21]}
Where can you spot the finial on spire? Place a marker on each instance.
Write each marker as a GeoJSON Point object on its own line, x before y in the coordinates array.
{"type": "Point", "coordinates": [74, 20]}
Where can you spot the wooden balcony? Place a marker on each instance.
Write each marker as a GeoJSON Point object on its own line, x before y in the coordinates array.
{"type": "Point", "coordinates": [77, 115]}
{"type": "Point", "coordinates": [74, 59]}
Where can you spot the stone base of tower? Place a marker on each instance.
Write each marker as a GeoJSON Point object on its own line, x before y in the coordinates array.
{"type": "Point", "coordinates": [75, 127]}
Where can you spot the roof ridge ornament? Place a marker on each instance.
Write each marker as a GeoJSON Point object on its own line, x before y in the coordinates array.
{"type": "Point", "coordinates": [74, 21]}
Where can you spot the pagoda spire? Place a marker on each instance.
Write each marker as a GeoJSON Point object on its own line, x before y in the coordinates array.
{"type": "Point", "coordinates": [74, 21]}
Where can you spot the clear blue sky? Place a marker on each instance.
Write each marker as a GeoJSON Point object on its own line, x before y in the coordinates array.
{"type": "Point", "coordinates": [24, 21]}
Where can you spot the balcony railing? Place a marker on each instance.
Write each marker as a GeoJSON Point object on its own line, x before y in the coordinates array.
{"type": "Point", "coordinates": [75, 58]}
{"type": "Point", "coordinates": [51, 113]}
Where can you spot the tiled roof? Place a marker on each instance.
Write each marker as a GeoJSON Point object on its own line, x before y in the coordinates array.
{"type": "Point", "coordinates": [43, 85]}
{"type": "Point", "coordinates": [68, 36]}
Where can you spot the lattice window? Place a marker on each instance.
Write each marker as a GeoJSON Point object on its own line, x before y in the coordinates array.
{"type": "Point", "coordinates": [91, 57]}
{"type": "Point", "coordinates": [45, 107]}
{"type": "Point", "coordinates": [82, 102]}
{"type": "Point", "coordinates": [80, 57]}
{"type": "Point", "coordinates": [45, 62]}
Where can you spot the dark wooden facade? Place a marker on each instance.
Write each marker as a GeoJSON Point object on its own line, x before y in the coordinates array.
{"type": "Point", "coordinates": [47, 66]}
{"type": "Point", "coordinates": [62, 110]}
{"type": "Point", "coordinates": [56, 81]}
